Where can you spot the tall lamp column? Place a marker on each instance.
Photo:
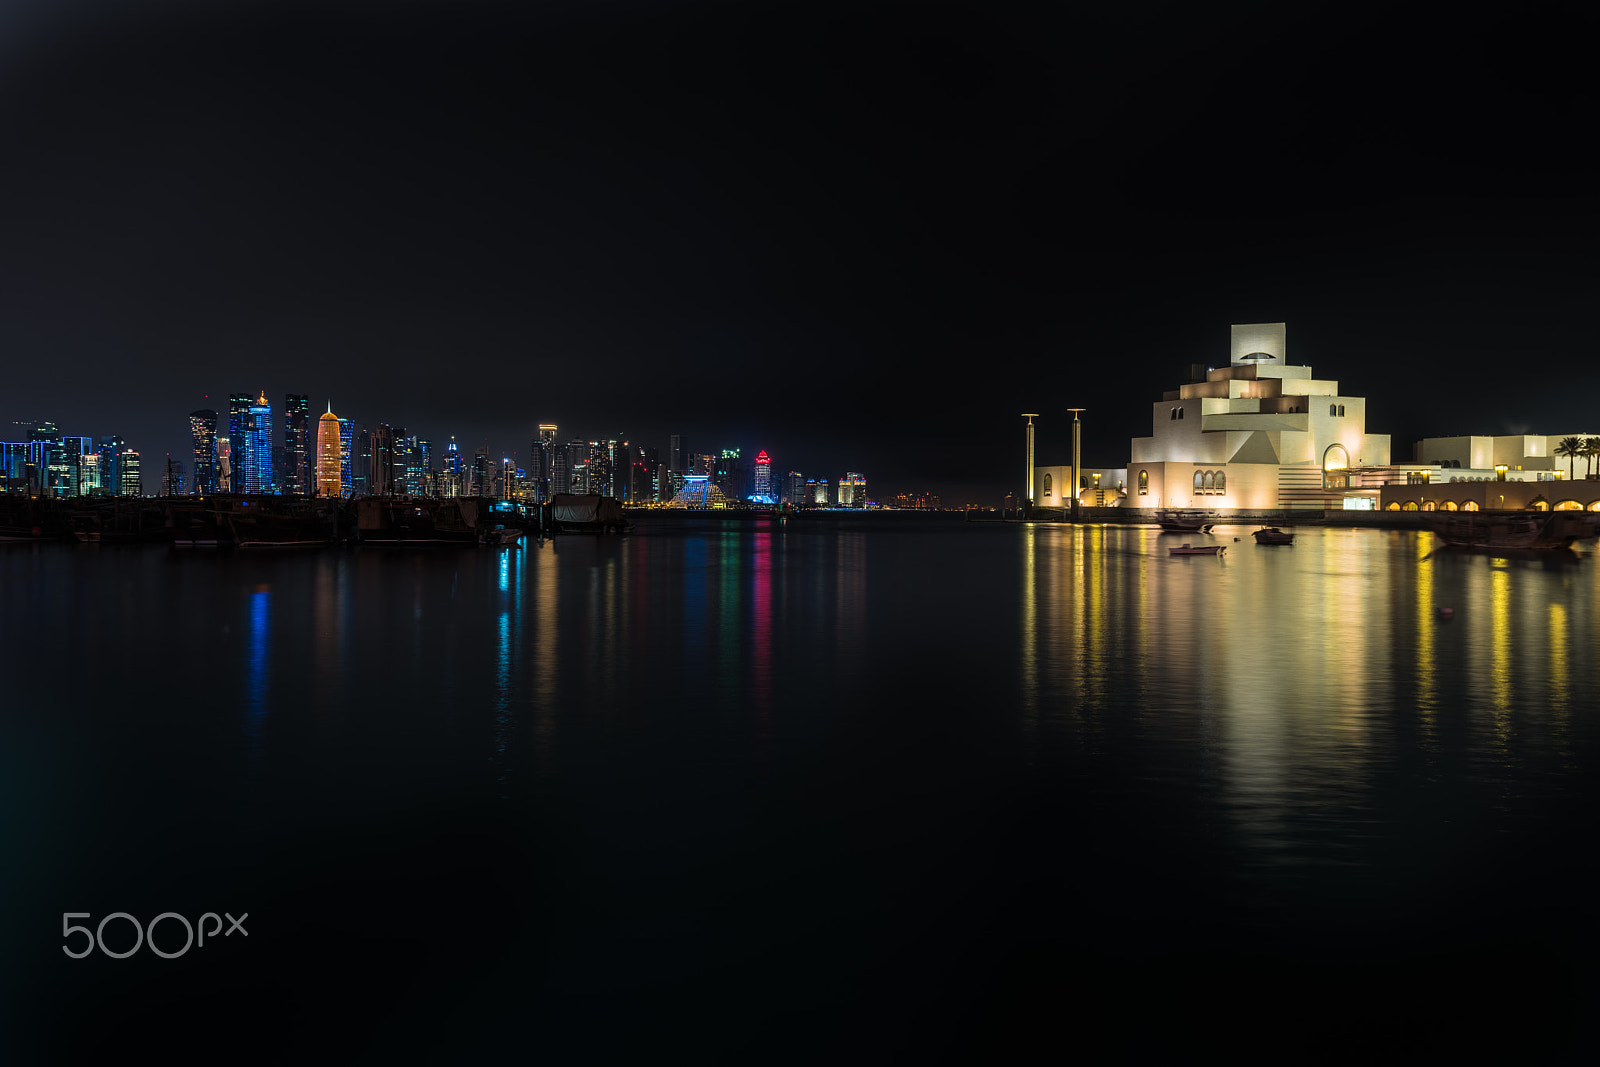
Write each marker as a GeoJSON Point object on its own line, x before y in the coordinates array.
{"type": "Point", "coordinates": [1027, 486]}
{"type": "Point", "coordinates": [1077, 443]}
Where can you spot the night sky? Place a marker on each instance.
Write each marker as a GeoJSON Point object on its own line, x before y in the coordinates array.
{"type": "Point", "coordinates": [859, 236]}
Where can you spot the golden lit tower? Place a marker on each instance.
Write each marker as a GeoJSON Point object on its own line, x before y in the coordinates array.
{"type": "Point", "coordinates": [328, 454]}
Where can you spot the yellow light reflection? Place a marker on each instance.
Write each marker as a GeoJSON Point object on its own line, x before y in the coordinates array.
{"type": "Point", "coordinates": [1557, 628]}
{"type": "Point", "coordinates": [1500, 648]}
{"type": "Point", "coordinates": [1427, 632]}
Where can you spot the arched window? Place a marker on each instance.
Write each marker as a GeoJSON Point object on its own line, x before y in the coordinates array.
{"type": "Point", "coordinates": [1341, 411]}
{"type": "Point", "coordinates": [1222, 481]}
{"type": "Point", "coordinates": [1180, 413]}
{"type": "Point", "coordinates": [1144, 482]}
{"type": "Point", "coordinates": [1427, 505]}
{"type": "Point", "coordinates": [1210, 482]}
{"type": "Point", "coordinates": [1333, 409]}
{"type": "Point", "coordinates": [1172, 413]}
{"type": "Point", "coordinates": [1595, 506]}
{"type": "Point", "coordinates": [1569, 505]}
{"type": "Point", "coordinates": [1470, 505]}
{"type": "Point", "coordinates": [1335, 462]}
{"type": "Point", "coordinates": [1199, 482]}
{"type": "Point", "coordinates": [1047, 485]}
{"type": "Point", "coordinates": [1409, 505]}
{"type": "Point", "coordinates": [1448, 505]}
{"type": "Point", "coordinates": [1393, 505]}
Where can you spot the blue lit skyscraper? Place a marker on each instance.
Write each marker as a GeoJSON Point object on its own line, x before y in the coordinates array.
{"type": "Point", "coordinates": [347, 434]}
{"type": "Point", "coordinates": [255, 457]}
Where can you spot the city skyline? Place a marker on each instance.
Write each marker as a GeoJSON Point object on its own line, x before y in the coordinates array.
{"type": "Point", "coordinates": [869, 231]}
{"type": "Point", "coordinates": [387, 459]}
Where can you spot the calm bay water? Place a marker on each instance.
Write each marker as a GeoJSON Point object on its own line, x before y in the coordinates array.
{"type": "Point", "coordinates": [904, 790]}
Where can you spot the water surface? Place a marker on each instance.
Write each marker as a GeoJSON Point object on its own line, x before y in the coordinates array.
{"type": "Point", "coordinates": [837, 790]}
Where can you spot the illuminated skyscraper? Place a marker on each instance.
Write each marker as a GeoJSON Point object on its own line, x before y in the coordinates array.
{"type": "Point", "coordinates": [256, 460]}
{"type": "Point", "coordinates": [227, 480]}
{"type": "Point", "coordinates": [600, 468]}
{"type": "Point", "coordinates": [541, 467]}
{"type": "Point", "coordinates": [853, 491]}
{"type": "Point", "coordinates": [330, 455]}
{"type": "Point", "coordinates": [578, 467]}
{"type": "Point", "coordinates": [203, 431]}
{"type": "Point", "coordinates": [794, 488]}
{"type": "Point", "coordinates": [110, 451]}
{"type": "Point", "coordinates": [347, 437]}
{"type": "Point", "coordinates": [128, 481]}
{"type": "Point", "coordinates": [482, 474]}
{"type": "Point", "coordinates": [238, 415]}
{"type": "Point", "coordinates": [295, 473]}
{"type": "Point", "coordinates": [763, 491]}
{"type": "Point", "coordinates": [453, 485]}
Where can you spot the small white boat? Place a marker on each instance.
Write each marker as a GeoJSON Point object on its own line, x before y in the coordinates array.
{"type": "Point", "coordinates": [1198, 550]}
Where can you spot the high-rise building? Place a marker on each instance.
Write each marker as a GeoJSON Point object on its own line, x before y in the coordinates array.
{"type": "Point", "coordinates": [203, 432]}
{"type": "Point", "coordinates": [330, 455]}
{"type": "Point", "coordinates": [817, 490]}
{"type": "Point", "coordinates": [733, 475]}
{"type": "Point", "coordinates": [347, 437]}
{"type": "Point", "coordinates": [452, 483]}
{"type": "Point", "coordinates": [541, 465]}
{"type": "Point", "coordinates": [227, 480]}
{"type": "Point", "coordinates": [578, 467]}
{"type": "Point", "coordinates": [110, 451]}
{"type": "Point", "coordinates": [410, 464]}
{"type": "Point", "coordinates": [46, 458]}
{"type": "Point", "coordinates": [600, 468]}
{"type": "Point", "coordinates": [295, 473]}
{"type": "Point", "coordinates": [256, 458]}
{"type": "Point", "coordinates": [172, 479]}
{"type": "Point", "coordinates": [381, 477]}
{"type": "Point", "coordinates": [89, 483]}
{"type": "Point", "coordinates": [852, 491]}
{"type": "Point", "coordinates": [238, 414]}
{"type": "Point", "coordinates": [794, 488]}
{"type": "Point", "coordinates": [128, 481]}
{"type": "Point", "coordinates": [72, 470]}
{"type": "Point", "coordinates": [482, 474]}
{"type": "Point", "coordinates": [14, 466]}
{"type": "Point", "coordinates": [679, 454]}
{"type": "Point", "coordinates": [361, 463]}
{"type": "Point", "coordinates": [763, 486]}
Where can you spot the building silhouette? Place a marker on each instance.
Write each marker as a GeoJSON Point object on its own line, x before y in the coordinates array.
{"type": "Point", "coordinates": [295, 471]}
{"type": "Point", "coordinates": [203, 434]}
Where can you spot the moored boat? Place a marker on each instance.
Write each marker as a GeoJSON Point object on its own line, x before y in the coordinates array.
{"type": "Point", "coordinates": [500, 537]}
{"type": "Point", "coordinates": [1184, 522]}
{"type": "Point", "coordinates": [1271, 535]}
{"type": "Point", "coordinates": [1187, 549]}
{"type": "Point", "coordinates": [417, 523]}
{"type": "Point", "coordinates": [1528, 531]}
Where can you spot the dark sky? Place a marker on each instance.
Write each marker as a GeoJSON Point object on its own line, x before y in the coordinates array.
{"type": "Point", "coordinates": [860, 236]}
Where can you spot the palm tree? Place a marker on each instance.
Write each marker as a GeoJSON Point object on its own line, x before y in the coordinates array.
{"type": "Point", "coordinates": [1591, 452]}
{"type": "Point", "coordinates": [1572, 448]}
